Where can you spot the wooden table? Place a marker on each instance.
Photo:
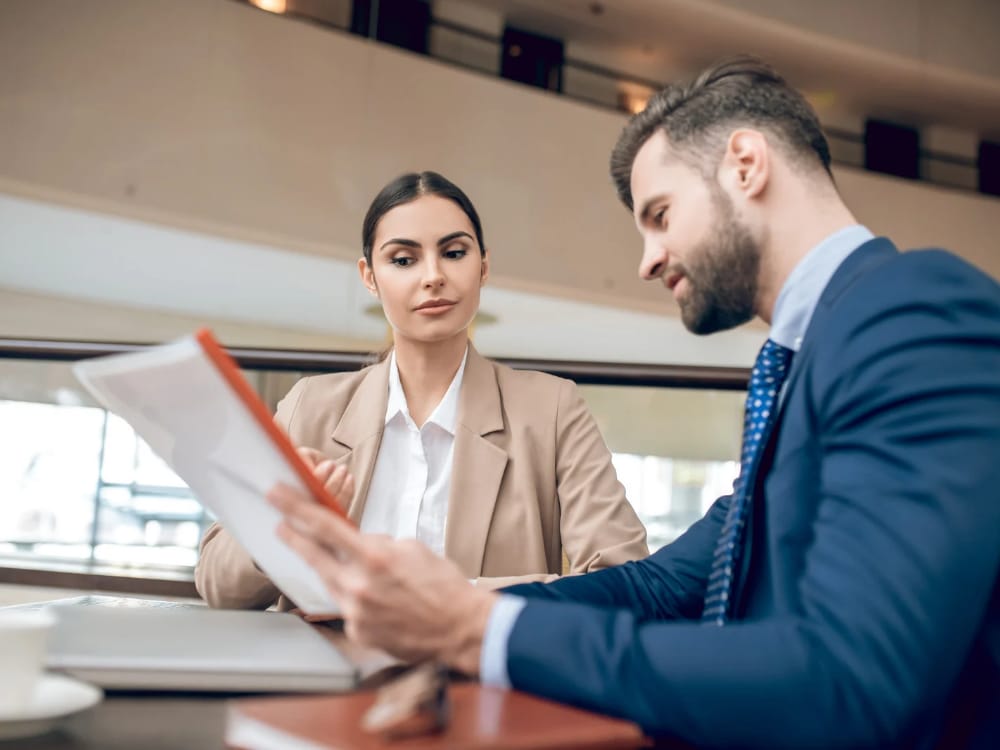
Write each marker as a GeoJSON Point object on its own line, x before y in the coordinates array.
{"type": "Point", "coordinates": [193, 721]}
{"type": "Point", "coordinates": [158, 721]}
{"type": "Point", "coordinates": [138, 722]}
{"type": "Point", "coordinates": [196, 722]}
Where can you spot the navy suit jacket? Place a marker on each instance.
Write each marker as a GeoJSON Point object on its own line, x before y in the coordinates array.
{"type": "Point", "coordinates": [867, 611]}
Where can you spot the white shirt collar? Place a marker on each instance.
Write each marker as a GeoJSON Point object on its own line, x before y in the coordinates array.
{"type": "Point", "coordinates": [805, 284]}
{"type": "Point", "coordinates": [445, 414]}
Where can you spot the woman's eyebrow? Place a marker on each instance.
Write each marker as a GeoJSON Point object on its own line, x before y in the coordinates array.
{"type": "Point", "coordinates": [453, 236]}
{"type": "Point", "coordinates": [400, 241]}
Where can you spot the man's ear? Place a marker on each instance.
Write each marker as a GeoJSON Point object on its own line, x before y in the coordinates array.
{"type": "Point", "coordinates": [484, 270]}
{"type": "Point", "coordinates": [747, 162]}
{"type": "Point", "coordinates": [367, 276]}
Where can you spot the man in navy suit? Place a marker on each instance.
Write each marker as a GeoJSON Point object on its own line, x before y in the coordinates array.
{"type": "Point", "coordinates": [846, 594]}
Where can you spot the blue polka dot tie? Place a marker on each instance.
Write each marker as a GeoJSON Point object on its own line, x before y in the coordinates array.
{"type": "Point", "coordinates": [762, 398]}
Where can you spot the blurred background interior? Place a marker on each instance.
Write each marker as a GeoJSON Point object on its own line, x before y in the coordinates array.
{"type": "Point", "coordinates": [166, 164]}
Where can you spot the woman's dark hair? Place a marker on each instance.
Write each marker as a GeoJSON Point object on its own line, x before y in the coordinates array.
{"type": "Point", "coordinates": [408, 187]}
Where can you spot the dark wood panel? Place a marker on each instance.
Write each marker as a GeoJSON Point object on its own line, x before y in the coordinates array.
{"type": "Point", "coordinates": [93, 578]}
{"type": "Point", "coordinates": [590, 373]}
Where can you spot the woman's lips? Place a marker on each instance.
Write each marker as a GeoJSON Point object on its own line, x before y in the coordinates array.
{"type": "Point", "coordinates": [435, 306]}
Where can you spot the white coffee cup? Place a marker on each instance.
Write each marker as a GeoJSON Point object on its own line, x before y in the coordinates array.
{"type": "Point", "coordinates": [23, 635]}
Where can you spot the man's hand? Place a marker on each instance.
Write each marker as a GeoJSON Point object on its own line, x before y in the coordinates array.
{"type": "Point", "coordinates": [396, 595]}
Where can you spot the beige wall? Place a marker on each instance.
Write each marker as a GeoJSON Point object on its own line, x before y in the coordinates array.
{"type": "Point", "coordinates": [212, 116]}
{"type": "Point", "coordinates": [916, 214]}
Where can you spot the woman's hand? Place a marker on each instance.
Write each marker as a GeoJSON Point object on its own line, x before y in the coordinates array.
{"type": "Point", "coordinates": [335, 479]}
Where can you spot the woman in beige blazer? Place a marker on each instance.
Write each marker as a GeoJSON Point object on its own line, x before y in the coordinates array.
{"type": "Point", "coordinates": [503, 471]}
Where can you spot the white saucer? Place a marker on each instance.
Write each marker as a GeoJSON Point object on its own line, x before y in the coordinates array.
{"type": "Point", "coordinates": [56, 696]}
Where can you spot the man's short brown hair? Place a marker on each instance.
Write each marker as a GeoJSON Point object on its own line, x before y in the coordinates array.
{"type": "Point", "coordinates": [698, 116]}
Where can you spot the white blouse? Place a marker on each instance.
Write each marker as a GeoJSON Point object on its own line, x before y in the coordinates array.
{"type": "Point", "coordinates": [408, 494]}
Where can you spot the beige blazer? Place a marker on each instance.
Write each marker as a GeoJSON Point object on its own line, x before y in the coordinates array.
{"type": "Point", "coordinates": [531, 478]}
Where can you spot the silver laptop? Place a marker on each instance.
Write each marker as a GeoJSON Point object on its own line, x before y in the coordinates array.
{"type": "Point", "coordinates": [135, 644]}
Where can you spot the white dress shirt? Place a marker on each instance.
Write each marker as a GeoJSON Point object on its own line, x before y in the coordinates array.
{"type": "Point", "coordinates": [792, 312]}
{"type": "Point", "coordinates": [411, 482]}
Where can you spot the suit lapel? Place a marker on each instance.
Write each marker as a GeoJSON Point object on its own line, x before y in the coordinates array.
{"type": "Point", "coordinates": [360, 432]}
{"type": "Point", "coordinates": [477, 465]}
{"type": "Point", "coordinates": [854, 266]}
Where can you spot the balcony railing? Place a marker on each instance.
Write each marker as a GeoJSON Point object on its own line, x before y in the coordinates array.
{"type": "Point", "coordinates": [473, 49]}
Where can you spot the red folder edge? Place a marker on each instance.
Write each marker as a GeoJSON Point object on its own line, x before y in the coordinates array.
{"type": "Point", "coordinates": [231, 372]}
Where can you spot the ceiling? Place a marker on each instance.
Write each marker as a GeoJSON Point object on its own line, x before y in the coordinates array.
{"type": "Point", "coordinates": [921, 62]}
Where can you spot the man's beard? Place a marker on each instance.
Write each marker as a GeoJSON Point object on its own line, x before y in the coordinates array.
{"type": "Point", "coordinates": [722, 275]}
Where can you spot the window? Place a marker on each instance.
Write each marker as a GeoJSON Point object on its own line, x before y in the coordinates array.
{"type": "Point", "coordinates": [78, 485]}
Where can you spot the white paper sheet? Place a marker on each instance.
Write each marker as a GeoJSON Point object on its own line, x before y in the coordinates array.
{"type": "Point", "coordinates": [179, 402]}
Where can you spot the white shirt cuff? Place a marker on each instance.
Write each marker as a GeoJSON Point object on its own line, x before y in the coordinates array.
{"type": "Point", "coordinates": [493, 656]}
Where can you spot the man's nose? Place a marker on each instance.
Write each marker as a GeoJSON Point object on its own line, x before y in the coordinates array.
{"type": "Point", "coordinates": [654, 260]}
